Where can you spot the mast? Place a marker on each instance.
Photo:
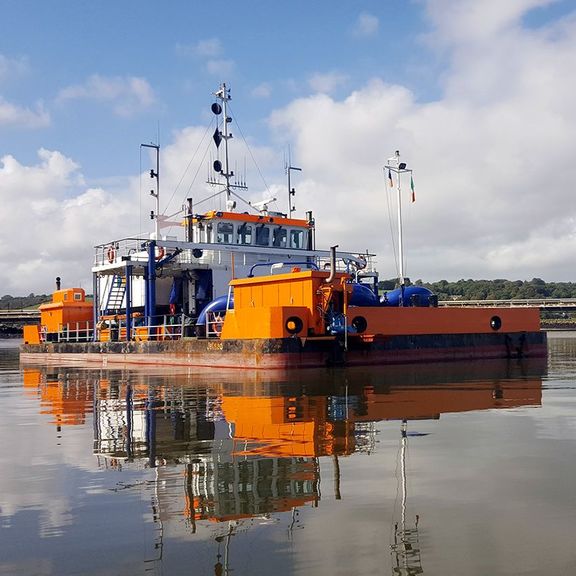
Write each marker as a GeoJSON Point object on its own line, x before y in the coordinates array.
{"type": "Point", "coordinates": [223, 95]}
{"type": "Point", "coordinates": [155, 215]}
{"type": "Point", "coordinates": [405, 551]}
{"type": "Point", "coordinates": [291, 191]}
{"type": "Point", "coordinates": [399, 168]}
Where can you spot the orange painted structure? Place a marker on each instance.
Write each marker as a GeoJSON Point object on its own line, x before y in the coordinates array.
{"type": "Point", "coordinates": [283, 305]}
{"type": "Point", "coordinates": [296, 304]}
{"type": "Point", "coordinates": [68, 308]}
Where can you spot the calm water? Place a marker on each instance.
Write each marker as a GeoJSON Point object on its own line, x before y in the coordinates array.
{"type": "Point", "coordinates": [446, 469]}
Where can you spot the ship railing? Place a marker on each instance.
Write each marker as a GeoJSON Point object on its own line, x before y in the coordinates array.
{"type": "Point", "coordinates": [112, 328]}
{"type": "Point", "coordinates": [214, 323]}
{"type": "Point", "coordinates": [116, 251]}
{"type": "Point", "coordinates": [74, 332]}
{"type": "Point", "coordinates": [164, 327]}
{"type": "Point", "coordinates": [350, 263]}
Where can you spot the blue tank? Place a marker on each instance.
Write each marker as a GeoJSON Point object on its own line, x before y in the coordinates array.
{"type": "Point", "coordinates": [363, 295]}
{"type": "Point", "coordinates": [409, 296]}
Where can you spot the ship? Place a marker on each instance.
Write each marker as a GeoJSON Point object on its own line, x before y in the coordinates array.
{"type": "Point", "coordinates": [247, 288]}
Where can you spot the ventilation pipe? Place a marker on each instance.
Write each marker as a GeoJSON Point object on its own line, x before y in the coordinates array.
{"type": "Point", "coordinates": [57, 282]}
{"type": "Point", "coordinates": [332, 264]}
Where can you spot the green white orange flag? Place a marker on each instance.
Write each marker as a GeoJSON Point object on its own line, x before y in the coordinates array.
{"type": "Point", "coordinates": [412, 188]}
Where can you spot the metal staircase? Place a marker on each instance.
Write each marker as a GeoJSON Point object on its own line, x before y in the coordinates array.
{"type": "Point", "coordinates": [116, 294]}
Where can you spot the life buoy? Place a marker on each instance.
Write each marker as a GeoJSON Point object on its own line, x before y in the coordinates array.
{"type": "Point", "coordinates": [160, 252]}
{"type": "Point", "coordinates": [111, 254]}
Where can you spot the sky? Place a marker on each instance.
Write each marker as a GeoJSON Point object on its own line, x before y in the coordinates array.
{"type": "Point", "coordinates": [477, 96]}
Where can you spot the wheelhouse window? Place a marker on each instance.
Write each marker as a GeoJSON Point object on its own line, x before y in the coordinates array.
{"type": "Point", "coordinates": [279, 237]}
{"type": "Point", "coordinates": [262, 236]}
{"type": "Point", "coordinates": [245, 234]}
{"type": "Point", "coordinates": [296, 239]}
{"type": "Point", "coordinates": [224, 233]}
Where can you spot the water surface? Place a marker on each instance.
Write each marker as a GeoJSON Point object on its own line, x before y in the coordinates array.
{"type": "Point", "coordinates": [464, 468]}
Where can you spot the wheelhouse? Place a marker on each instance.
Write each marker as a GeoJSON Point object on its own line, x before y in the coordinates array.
{"type": "Point", "coordinates": [272, 230]}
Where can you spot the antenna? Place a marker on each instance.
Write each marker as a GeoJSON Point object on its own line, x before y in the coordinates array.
{"type": "Point", "coordinates": [262, 205]}
{"type": "Point", "coordinates": [156, 193]}
{"type": "Point", "coordinates": [291, 192]}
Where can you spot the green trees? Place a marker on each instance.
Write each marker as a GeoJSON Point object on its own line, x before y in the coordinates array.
{"type": "Point", "coordinates": [8, 302]}
{"type": "Point", "coordinates": [498, 289]}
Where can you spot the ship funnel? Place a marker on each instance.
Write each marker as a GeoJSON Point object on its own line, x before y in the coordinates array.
{"type": "Point", "coordinates": [57, 282]}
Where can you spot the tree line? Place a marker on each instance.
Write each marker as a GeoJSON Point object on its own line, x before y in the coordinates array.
{"type": "Point", "coordinates": [8, 302]}
{"type": "Point", "coordinates": [492, 289]}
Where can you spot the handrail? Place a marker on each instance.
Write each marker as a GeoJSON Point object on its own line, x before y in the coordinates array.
{"type": "Point", "coordinates": [276, 265]}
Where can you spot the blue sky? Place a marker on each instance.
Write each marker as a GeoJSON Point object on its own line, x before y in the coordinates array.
{"type": "Point", "coordinates": [475, 94]}
{"type": "Point", "coordinates": [268, 53]}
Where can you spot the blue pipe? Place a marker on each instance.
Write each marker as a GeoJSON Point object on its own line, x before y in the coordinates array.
{"type": "Point", "coordinates": [151, 284]}
{"type": "Point", "coordinates": [128, 301]}
{"type": "Point", "coordinates": [217, 305]}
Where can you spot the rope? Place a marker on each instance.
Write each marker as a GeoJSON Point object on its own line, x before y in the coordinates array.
{"type": "Point", "coordinates": [252, 156]}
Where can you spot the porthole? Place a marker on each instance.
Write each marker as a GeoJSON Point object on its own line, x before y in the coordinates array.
{"type": "Point", "coordinates": [359, 322]}
{"type": "Point", "coordinates": [294, 325]}
{"type": "Point", "coordinates": [495, 322]}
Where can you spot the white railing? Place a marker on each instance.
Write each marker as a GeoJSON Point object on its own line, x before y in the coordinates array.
{"type": "Point", "coordinates": [76, 332]}
{"type": "Point", "coordinates": [113, 252]}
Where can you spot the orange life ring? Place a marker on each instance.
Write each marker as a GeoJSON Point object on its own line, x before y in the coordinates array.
{"type": "Point", "coordinates": [160, 252]}
{"type": "Point", "coordinates": [111, 254]}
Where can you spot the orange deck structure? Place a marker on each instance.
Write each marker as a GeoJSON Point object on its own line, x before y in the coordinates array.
{"type": "Point", "coordinates": [67, 309]}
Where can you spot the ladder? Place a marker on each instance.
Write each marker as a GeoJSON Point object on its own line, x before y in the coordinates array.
{"type": "Point", "coordinates": [116, 294]}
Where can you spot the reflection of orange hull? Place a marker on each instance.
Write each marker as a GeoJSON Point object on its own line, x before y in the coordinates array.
{"type": "Point", "coordinates": [304, 426]}
{"type": "Point", "coordinates": [413, 403]}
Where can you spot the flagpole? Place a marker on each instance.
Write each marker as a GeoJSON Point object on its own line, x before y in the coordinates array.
{"type": "Point", "coordinates": [394, 165]}
{"type": "Point", "coordinates": [400, 234]}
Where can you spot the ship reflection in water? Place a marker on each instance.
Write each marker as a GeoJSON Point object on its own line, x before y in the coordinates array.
{"type": "Point", "coordinates": [228, 453]}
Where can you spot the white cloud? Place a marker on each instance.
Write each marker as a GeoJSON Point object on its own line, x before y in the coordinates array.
{"type": "Point", "coordinates": [12, 67]}
{"type": "Point", "coordinates": [13, 115]}
{"type": "Point", "coordinates": [366, 25]}
{"type": "Point", "coordinates": [460, 22]}
{"type": "Point", "coordinates": [210, 48]}
{"type": "Point", "coordinates": [221, 68]}
{"type": "Point", "coordinates": [263, 90]}
{"type": "Point", "coordinates": [51, 220]}
{"type": "Point", "coordinates": [327, 83]}
{"type": "Point", "coordinates": [492, 158]}
{"type": "Point", "coordinates": [128, 95]}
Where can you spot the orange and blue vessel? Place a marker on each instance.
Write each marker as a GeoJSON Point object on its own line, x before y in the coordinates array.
{"type": "Point", "coordinates": [249, 289]}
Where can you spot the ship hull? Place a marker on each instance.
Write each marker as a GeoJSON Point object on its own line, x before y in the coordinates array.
{"type": "Point", "coordinates": [294, 352]}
